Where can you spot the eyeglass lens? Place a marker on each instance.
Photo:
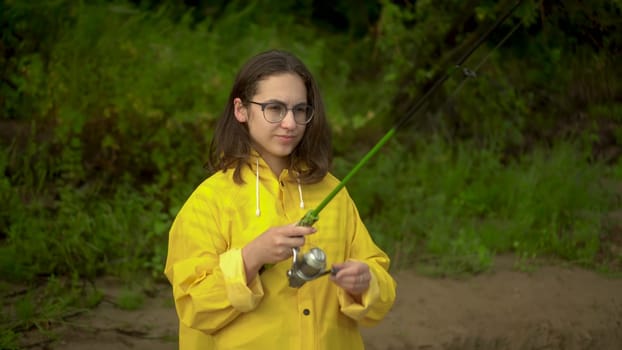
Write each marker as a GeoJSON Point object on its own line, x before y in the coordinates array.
{"type": "Point", "coordinates": [275, 112]}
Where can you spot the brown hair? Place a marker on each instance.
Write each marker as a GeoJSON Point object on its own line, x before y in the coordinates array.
{"type": "Point", "coordinates": [231, 144]}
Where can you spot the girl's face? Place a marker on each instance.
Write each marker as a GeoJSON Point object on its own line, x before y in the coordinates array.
{"type": "Point", "coordinates": [274, 141]}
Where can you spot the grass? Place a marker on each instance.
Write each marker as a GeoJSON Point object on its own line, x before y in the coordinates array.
{"type": "Point", "coordinates": [457, 206]}
{"type": "Point", "coordinates": [447, 208]}
{"type": "Point", "coordinates": [81, 233]}
{"type": "Point", "coordinates": [42, 306]}
{"type": "Point", "coordinates": [120, 106]}
{"type": "Point", "coordinates": [130, 299]}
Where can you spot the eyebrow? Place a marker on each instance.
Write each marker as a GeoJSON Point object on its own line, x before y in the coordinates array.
{"type": "Point", "coordinates": [273, 100]}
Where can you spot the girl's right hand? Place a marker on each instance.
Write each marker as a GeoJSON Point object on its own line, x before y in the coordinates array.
{"type": "Point", "coordinates": [273, 246]}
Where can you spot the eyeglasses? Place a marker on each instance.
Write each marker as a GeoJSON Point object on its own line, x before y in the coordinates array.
{"type": "Point", "coordinates": [275, 112]}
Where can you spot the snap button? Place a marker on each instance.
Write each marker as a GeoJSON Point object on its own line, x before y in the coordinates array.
{"type": "Point", "coordinates": [306, 312]}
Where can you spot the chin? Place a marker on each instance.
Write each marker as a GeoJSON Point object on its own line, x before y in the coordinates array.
{"type": "Point", "coordinates": [284, 151]}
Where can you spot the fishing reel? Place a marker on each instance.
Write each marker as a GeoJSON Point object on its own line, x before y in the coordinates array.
{"type": "Point", "coordinates": [306, 267]}
{"type": "Point", "coordinates": [311, 265]}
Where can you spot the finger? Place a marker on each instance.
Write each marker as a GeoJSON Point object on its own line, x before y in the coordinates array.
{"type": "Point", "coordinates": [289, 241]}
{"type": "Point", "coordinates": [346, 272]}
{"type": "Point", "coordinates": [300, 231]}
{"type": "Point", "coordinates": [288, 252]}
{"type": "Point", "coordinates": [284, 253]}
{"type": "Point", "coordinates": [297, 241]}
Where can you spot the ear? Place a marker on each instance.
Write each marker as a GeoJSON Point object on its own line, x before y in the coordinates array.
{"type": "Point", "coordinates": [240, 111]}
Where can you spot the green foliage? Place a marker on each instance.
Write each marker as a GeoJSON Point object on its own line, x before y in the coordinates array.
{"type": "Point", "coordinates": [537, 75]}
{"type": "Point", "coordinates": [44, 307]}
{"type": "Point", "coordinates": [8, 340]}
{"type": "Point", "coordinates": [455, 207]}
{"type": "Point", "coordinates": [85, 234]}
{"type": "Point", "coordinates": [130, 299]}
{"type": "Point", "coordinates": [106, 108]}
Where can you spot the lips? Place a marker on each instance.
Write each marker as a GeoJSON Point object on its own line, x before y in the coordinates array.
{"type": "Point", "coordinates": [286, 138]}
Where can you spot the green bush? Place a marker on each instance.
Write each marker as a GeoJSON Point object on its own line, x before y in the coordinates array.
{"type": "Point", "coordinates": [106, 108]}
{"type": "Point", "coordinates": [462, 205]}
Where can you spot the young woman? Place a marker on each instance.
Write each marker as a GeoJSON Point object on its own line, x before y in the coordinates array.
{"type": "Point", "coordinates": [230, 246]}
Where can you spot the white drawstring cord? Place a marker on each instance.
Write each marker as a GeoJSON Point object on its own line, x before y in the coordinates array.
{"type": "Point", "coordinates": [302, 202]}
{"type": "Point", "coordinates": [257, 211]}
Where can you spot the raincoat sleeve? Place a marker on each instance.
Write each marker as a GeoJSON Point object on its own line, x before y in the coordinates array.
{"type": "Point", "coordinates": [208, 278]}
{"type": "Point", "coordinates": [377, 301]}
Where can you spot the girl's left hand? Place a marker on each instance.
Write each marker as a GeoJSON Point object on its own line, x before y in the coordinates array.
{"type": "Point", "coordinates": [353, 277]}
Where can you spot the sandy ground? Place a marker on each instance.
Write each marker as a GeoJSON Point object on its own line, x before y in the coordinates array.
{"type": "Point", "coordinates": [552, 307]}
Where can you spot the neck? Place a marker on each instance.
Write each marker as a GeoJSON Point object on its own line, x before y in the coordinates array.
{"type": "Point", "coordinates": [276, 164]}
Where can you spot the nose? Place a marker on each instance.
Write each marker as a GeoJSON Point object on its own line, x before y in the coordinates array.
{"type": "Point", "coordinates": [288, 121]}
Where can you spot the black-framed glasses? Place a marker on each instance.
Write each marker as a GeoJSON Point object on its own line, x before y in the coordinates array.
{"type": "Point", "coordinates": [275, 112]}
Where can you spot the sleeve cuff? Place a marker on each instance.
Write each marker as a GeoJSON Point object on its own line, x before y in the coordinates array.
{"type": "Point", "coordinates": [354, 309]}
{"type": "Point", "coordinates": [243, 297]}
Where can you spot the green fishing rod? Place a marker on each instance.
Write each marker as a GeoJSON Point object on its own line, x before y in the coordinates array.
{"type": "Point", "coordinates": [311, 265]}
{"type": "Point", "coordinates": [312, 216]}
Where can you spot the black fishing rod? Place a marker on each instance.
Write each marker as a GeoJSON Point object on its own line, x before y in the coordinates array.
{"type": "Point", "coordinates": [313, 215]}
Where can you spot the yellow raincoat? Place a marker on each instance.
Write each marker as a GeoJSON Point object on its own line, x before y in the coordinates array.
{"type": "Point", "coordinates": [216, 307]}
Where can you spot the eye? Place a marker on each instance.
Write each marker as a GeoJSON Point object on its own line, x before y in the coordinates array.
{"type": "Point", "coordinates": [274, 107]}
{"type": "Point", "coordinates": [301, 109]}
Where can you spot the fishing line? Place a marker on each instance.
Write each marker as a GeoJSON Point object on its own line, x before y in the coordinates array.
{"type": "Point", "coordinates": [313, 215]}
{"type": "Point", "coordinates": [472, 73]}
{"type": "Point", "coordinates": [468, 73]}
